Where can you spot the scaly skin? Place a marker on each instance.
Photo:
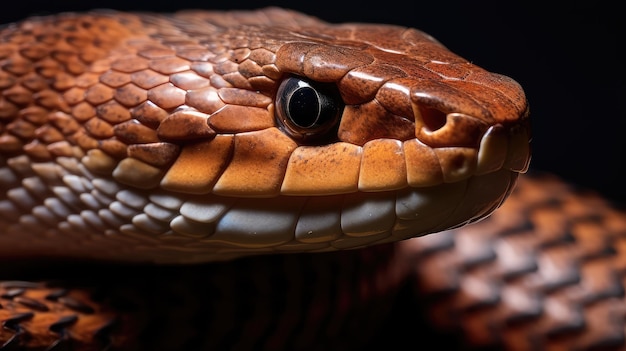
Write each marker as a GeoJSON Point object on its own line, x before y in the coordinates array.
{"type": "Point", "coordinates": [544, 272]}
{"type": "Point", "coordinates": [143, 138]}
{"type": "Point", "coordinates": [162, 138]}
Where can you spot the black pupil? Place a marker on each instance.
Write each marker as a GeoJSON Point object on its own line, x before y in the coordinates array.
{"type": "Point", "coordinates": [304, 107]}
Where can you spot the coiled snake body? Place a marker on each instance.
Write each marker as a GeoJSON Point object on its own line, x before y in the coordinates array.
{"type": "Point", "coordinates": [219, 175]}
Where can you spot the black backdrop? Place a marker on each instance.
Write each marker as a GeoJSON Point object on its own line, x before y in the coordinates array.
{"type": "Point", "coordinates": [567, 58]}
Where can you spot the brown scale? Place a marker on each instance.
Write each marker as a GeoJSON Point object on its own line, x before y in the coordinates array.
{"type": "Point", "coordinates": [544, 272]}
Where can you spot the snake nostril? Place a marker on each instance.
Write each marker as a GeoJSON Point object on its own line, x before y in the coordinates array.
{"type": "Point", "coordinates": [432, 119]}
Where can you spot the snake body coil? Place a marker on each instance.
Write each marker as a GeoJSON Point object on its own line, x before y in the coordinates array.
{"type": "Point", "coordinates": [196, 137]}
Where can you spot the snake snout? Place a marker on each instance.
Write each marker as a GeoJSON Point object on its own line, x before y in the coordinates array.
{"type": "Point", "coordinates": [468, 142]}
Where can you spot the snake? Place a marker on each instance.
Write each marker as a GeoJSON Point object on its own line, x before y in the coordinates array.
{"type": "Point", "coordinates": [263, 179]}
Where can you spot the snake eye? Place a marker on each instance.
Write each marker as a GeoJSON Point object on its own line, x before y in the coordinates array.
{"type": "Point", "coordinates": [308, 110]}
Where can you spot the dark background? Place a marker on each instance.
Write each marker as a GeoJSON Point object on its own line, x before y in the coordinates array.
{"type": "Point", "coordinates": [567, 58]}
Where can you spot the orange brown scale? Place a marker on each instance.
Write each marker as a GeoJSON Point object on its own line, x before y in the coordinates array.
{"type": "Point", "coordinates": [258, 164]}
{"type": "Point", "coordinates": [185, 125]}
{"type": "Point", "coordinates": [188, 176]}
{"type": "Point", "coordinates": [157, 154]}
{"type": "Point", "coordinates": [383, 166]}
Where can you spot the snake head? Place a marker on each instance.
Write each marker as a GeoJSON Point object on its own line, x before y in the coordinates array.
{"type": "Point", "coordinates": [244, 132]}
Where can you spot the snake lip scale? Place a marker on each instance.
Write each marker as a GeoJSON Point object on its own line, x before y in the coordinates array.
{"type": "Point", "coordinates": [268, 179]}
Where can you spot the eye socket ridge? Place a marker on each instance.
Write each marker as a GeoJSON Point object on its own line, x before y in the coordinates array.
{"type": "Point", "coordinates": [308, 110]}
